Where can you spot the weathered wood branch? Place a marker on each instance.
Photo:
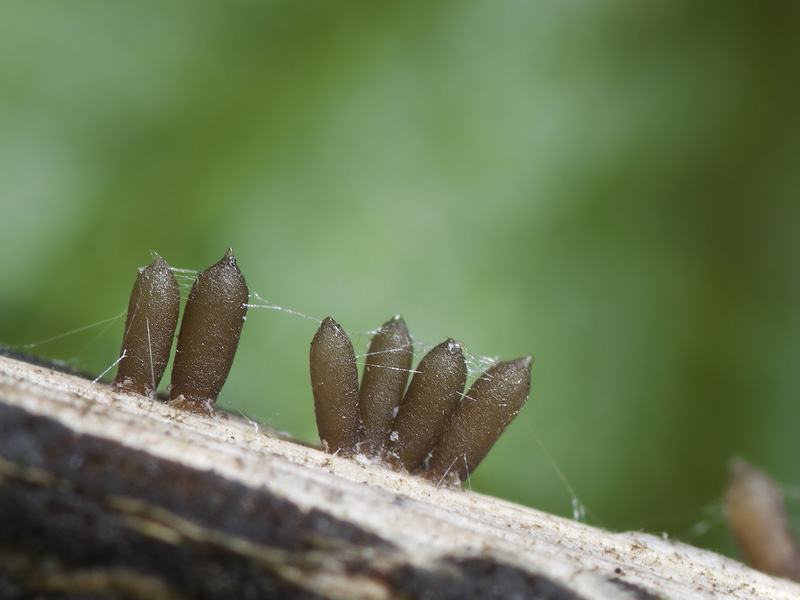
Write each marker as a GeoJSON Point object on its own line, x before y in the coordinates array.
{"type": "Point", "coordinates": [112, 495]}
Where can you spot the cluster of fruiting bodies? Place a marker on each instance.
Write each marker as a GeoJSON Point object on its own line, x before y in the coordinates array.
{"type": "Point", "coordinates": [432, 428]}
{"type": "Point", "coordinates": [209, 335]}
{"type": "Point", "coordinates": [428, 427]}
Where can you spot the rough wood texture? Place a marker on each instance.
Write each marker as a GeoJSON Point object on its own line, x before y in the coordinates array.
{"type": "Point", "coordinates": [109, 495]}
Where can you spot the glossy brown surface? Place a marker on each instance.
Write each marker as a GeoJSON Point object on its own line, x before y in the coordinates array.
{"type": "Point", "coordinates": [334, 383]}
{"type": "Point", "coordinates": [149, 329]}
{"type": "Point", "coordinates": [210, 330]}
{"type": "Point", "coordinates": [428, 404]}
{"type": "Point", "coordinates": [491, 404]}
{"type": "Point", "coordinates": [383, 383]}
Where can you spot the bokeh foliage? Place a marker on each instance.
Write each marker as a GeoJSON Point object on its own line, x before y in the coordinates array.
{"type": "Point", "coordinates": [609, 186]}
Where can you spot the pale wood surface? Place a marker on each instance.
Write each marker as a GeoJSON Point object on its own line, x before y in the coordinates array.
{"type": "Point", "coordinates": [426, 527]}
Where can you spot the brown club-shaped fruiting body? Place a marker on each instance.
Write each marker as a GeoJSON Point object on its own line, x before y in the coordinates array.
{"type": "Point", "coordinates": [386, 370]}
{"type": "Point", "coordinates": [428, 404]}
{"type": "Point", "coordinates": [149, 329]}
{"type": "Point", "coordinates": [491, 404]}
{"type": "Point", "coordinates": [334, 383]}
{"type": "Point", "coordinates": [757, 517]}
{"type": "Point", "coordinates": [209, 335]}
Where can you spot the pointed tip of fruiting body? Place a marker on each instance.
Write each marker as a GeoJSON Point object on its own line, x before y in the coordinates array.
{"type": "Point", "coordinates": [159, 264]}
{"type": "Point", "coordinates": [521, 366]}
{"type": "Point", "coordinates": [330, 323]}
{"type": "Point", "coordinates": [524, 362]}
{"type": "Point", "coordinates": [395, 323]}
{"type": "Point", "coordinates": [395, 328]}
{"type": "Point", "coordinates": [229, 257]}
{"type": "Point", "coordinates": [454, 346]}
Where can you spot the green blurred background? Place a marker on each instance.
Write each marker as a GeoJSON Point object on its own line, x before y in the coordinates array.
{"type": "Point", "coordinates": [610, 186]}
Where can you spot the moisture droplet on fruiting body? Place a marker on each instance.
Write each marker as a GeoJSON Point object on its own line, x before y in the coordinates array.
{"type": "Point", "coordinates": [149, 329]}
{"type": "Point", "coordinates": [382, 385]}
{"type": "Point", "coordinates": [491, 404]}
{"type": "Point", "coordinates": [429, 402]}
{"type": "Point", "coordinates": [334, 384]}
{"type": "Point", "coordinates": [209, 335]}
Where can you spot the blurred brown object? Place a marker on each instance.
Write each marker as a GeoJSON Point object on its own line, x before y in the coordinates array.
{"type": "Point", "coordinates": [756, 514]}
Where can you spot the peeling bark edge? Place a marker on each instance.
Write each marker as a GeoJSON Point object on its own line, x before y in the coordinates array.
{"type": "Point", "coordinates": [107, 495]}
